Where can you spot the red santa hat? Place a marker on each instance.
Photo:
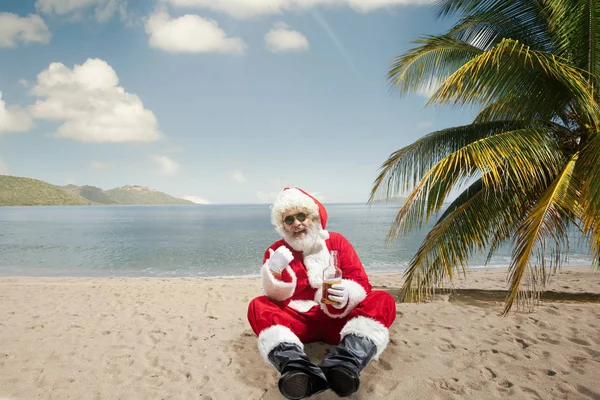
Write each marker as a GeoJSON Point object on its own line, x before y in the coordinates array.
{"type": "Point", "coordinates": [291, 198]}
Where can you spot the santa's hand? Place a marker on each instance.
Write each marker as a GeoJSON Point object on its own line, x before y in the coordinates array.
{"type": "Point", "coordinates": [339, 294]}
{"type": "Point", "coordinates": [279, 259]}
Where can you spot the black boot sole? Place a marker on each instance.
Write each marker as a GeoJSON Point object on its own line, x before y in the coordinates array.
{"type": "Point", "coordinates": [295, 385]}
{"type": "Point", "coordinates": [342, 382]}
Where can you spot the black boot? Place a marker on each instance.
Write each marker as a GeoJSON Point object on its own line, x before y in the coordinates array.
{"type": "Point", "coordinates": [342, 367]}
{"type": "Point", "coordinates": [300, 378]}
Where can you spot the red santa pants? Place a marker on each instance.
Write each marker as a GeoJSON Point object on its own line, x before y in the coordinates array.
{"type": "Point", "coordinates": [314, 325]}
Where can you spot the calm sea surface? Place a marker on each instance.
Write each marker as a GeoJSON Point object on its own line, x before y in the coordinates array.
{"type": "Point", "coordinates": [183, 241]}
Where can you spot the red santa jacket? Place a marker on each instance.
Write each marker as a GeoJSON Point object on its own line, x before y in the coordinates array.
{"type": "Point", "coordinates": [301, 281]}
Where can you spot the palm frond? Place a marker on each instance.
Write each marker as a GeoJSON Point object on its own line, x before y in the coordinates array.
{"type": "Point", "coordinates": [437, 256]}
{"type": "Point", "coordinates": [522, 21]}
{"type": "Point", "coordinates": [431, 62]}
{"type": "Point", "coordinates": [451, 7]}
{"type": "Point", "coordinates": [468, 225]}
{"type": "Point", "coordinates": [522, 157]}
{"type": "Point", "coordinates": [511, 69]}
{"type": "Point", "coordinates": [509, 108]}
{"type": "Point", "coordinates": [544, 222]}
{"type": "Point", "coordinates": [406, 167]}
{"type": "Point", "coordinates": [590, 168]}
{"type": "Point", "coordinates": [577, 27]}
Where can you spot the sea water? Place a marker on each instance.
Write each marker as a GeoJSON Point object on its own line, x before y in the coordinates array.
{"type": "Point", "coordinates": [191, 240]}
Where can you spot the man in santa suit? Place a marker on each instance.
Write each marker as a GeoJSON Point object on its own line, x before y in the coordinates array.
{"type": "Point", "coordinates": [291, 311]}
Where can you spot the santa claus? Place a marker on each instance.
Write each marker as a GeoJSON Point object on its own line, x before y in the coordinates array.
{"type": "Point", "coordinates": [291, 312]}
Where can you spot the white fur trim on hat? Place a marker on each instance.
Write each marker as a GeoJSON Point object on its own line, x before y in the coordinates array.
{"type": "Point", "coordinates": [271, 337]}
{"type": "Point", "coordinates": [370, 329]}
{"type": "Point", "coordinates": [288, 200]}
{"type": "Point", "coordinates": [356, 294]}
{"type": "Point", "coordinates": [273, 287]}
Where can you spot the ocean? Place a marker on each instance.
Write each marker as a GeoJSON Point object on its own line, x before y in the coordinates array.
{"type": "Point", "coordinates": [190, 240]}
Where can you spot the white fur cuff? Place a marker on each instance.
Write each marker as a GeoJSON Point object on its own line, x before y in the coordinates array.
{"type": "Point", "coordinates": [370, 329]}
{"type": "Point", "coordinates": [273, 287]}
{"type": "Point", "coordinates": [301, 305]}
{"type": "Point", "coordinates": [272, 336]}
{"type": "Point", "coordinates": [356, 294]}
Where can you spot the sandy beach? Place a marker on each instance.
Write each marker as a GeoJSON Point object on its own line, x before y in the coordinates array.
{"type": "Point", "coordinates": [178, 338]}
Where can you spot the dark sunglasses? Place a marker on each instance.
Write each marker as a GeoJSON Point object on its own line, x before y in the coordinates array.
{"type": "Point", "coordinates": [290, 218]}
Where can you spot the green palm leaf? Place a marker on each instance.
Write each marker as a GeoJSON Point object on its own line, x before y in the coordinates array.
{"type": "Point", "coordinates": [523, 157]}
{"type": "Point", "coordinates": [517, 20]}
{"type": "Point", "coordinates": [466, 226]}
{"type": "Point", "coordinates": [408, 165]}
{"type": "Point", "coordinates": [545, 220]}
{"type": "Point", "coordinates": [590, 168]}
{"type": "Point", "coordinates": [533, 68]}
{"type": "Point", "coordinates": [579, 20]}
{"type": "Point", "coordinates": [524, 73]}
{"type": "Point", "coordinates": [435, 59]}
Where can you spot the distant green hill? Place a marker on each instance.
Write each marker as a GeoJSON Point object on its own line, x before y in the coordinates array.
{"type": "Point", "coordinates": [91, 193]}
{"type": "Point", "coordinates": [17, 191]}
{"type": "Point", "coordinates": [142, 195]}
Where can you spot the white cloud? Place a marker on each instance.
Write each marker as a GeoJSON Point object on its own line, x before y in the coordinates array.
{"type": "Point", "coordinates": [253, 8]}
{"type": "Point", "coordinates": [3, 168]}
{"type": "Point", "coordinates": [103, 9]}
{"type": "Point", "coordinates": [283, 38]}
{"type": "Point", "coordinates": [237, 176]}
{"type": "Point", "coordinates": [28, 29]}
{"type": "Point", "coordinates": [266, 197]}
{"type": "Point", "coordinates": [13, 118]}
{"type": "Point", "coordinates": [23, 82]}
{"type": "Point", "coordinates": [167, 166]}
{"type": "Point", "coordinates": [196, 199]}
{"type": "Point", "coordinates": [175, 149]}
{"type": "Point", "coordinates": [101, 165]}
{"type": "Point", "coordinates": [95, 109]}
{"type": "Point", "coordinates": [190, 34]}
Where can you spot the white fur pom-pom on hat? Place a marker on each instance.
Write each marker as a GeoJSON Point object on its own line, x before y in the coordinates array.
{"type": "Point", "coordinates": [291, 198]}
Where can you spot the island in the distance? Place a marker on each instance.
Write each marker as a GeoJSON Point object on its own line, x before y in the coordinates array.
{"type": "Point", "coordinates": [19, 191]}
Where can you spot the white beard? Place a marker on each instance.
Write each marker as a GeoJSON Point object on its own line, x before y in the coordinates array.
{"type": "Point", "coordinates": [308, 244]}
{"type": "Point", "coordinates": [316, 255]}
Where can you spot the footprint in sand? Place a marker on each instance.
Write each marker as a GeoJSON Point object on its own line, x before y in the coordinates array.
{"type": "Point", "coordinates": [532, 392]}
{"type": "Point", "coordinates": [488, 373]}
{"type": "Point", "coordinates": [579, 341]}
{"type": "Point", "coordinates": [588, 392]}
{"type": "Point", "coordinates": [446, 345]}
{"type": "Point", "coordinates": [452, 385]}
{"type": "Point", "coordinates": [544, 337]}
{"type": "Point", "coordinates": [593, 353]}
{"type": "Point", "coordinates": [506, 384]}
{"type": "Point", "coordinates": [523, 344]}
{"type": "Point", "coordinates": [157, 335]}
{"type": "Point", "coordinates": [553, 310]}
{"type": "Point", "coordinates": [385, 365]}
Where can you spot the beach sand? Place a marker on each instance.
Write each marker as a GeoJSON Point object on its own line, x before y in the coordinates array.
{"type": "Point", "coordinates": [138, 338]}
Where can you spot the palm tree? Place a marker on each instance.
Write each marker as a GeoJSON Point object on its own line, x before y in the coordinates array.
{"type": "Point", "coordinates": [528, 167]}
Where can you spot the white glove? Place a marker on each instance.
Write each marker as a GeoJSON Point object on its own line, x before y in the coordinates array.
{"type": "Point", "coordinates": [279, 259]}
{"type": "Point", "coordinates": [339, 293]}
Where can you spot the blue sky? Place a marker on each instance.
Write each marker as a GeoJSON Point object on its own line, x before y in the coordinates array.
{"type": "Point", "coordinates": [223, 101]}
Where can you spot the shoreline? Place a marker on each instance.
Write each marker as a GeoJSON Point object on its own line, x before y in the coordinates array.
{"type": "Point", "coordinates": [180, 338]}
{"type": "Point", "coordinates": [470, 270]}
{"type": "Point", "coordinates": [395, 277]}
